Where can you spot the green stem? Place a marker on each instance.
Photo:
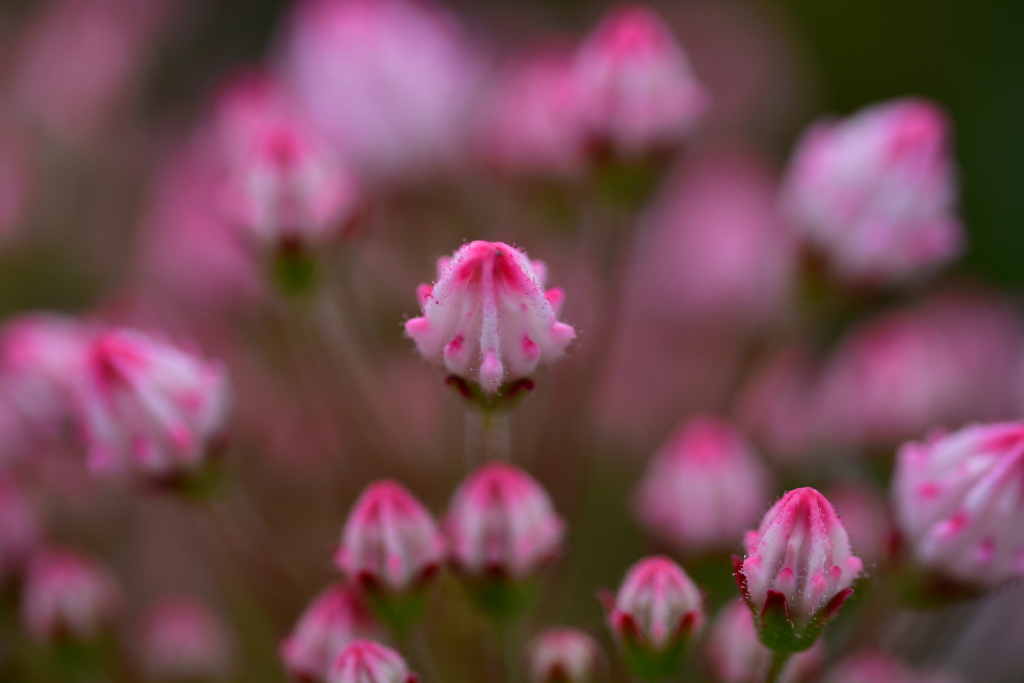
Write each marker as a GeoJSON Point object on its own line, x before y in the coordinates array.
{"type": "Point", "coordinates": [488, 436]}
{"type": "Point", "coordinates": [777, 666]}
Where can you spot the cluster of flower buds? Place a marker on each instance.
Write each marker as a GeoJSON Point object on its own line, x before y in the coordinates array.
{"type": "Point", "coordinates": [704, 488]}
{"type": "Point", "coordinates": [655, 614]}
{"type": "Point", "coordinates": [958, 505]}
{"type": "Point", "coordinates": [488, 320]}
{"type": "Point", "coordinates": [336, 618]}
{"type": "Point", "coordinates": [68, 598]}
{"type": "Point", "coordinates": [798, 570]}
{"type": "Point", "coordinates": [875, 193]}
{"type": "Point", "coordinates": [564, 655]}
{"type": "Point", "coordinates": [391, 549]}
{"type": "Point", "coordinates": [148, 407]}
{"type": "Point", "coordinates": [183, 641]}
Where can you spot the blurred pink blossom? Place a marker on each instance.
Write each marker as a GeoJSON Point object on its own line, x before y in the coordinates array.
{"type": "Point", "coordinates": [390, 81]}
{"type": "Point", "coordinates": [182, 640]}
{"type": "Point", "coordinates": [878, 667]}
{"type": "Point", "coordinates": [331, 622]}
{"type": "Point", "coordinates": [364, 661]}
{"type": "Point", "coordinates": [564, 655]}
{"type": "Point", "coordinates": [704, 488]}
{"type": "Point", "coordinates": [875, 193]}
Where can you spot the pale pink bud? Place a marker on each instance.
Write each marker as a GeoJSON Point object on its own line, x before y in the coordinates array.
{"type": "Point", "coordinates": [286, 186]}
{"type": "Point", "coordinates": [704, 488]}
{"type": "Point", "coordinates": [182, 640]}
{"type": "Point", "coordinates": [533, 121]}
{"type": "Point", "coordinates": [564, 655]}
{"type": "Point", "coordinates": [19, 527]}
{"type": "Point", "coordinates": [40, 355]}
{"type": "Point", "coordinates": [336, 618]}
{"type": "Point", "coordinates": [878, 667]}
{"type": "Point", "coordinates": [488, 319]}
{"type": "Point", "coordinates": [875, 193]}
{"type": "Point", "coordinates": [656, 612]}
{"type": "Point", "coordinates": [364, 661]}
{"type": "Point", "coordinates": [958, 506]}
{"type": "Point", "coordinates": [799, 559]}
{"type": "Point", "coordinates": [390, 542]}
{"type": "Point", "coordinates": [390, 81]}
{"type": "Point", "coordinates": [67, 595]}
{"type": "Point", "coordinates": [149, 407]}
{"type": "Point", "coordinates": [736, 654]}
{"type": "Point", "coordinates": [638, 87]}
{"type": "Point", "coordinates": [502, 523]}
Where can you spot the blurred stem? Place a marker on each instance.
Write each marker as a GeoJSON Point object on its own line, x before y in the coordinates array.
{"type": "Point", "coordinates": [488, 436]}
{"type": "Point", "coordinates": [413, 644]}
{"type": "Point", "coordinates": [509, 646]}
{"type": "Point", "coordinates": [777, 666]}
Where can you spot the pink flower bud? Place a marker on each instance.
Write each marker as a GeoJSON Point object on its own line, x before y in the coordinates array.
{"type": "Point", "coordinates": [958, 506]}
{"type": "Point", "coordinates": [638, 88]}
{"type": "Point", "coordinates": [532, 121]}
{"type": "Point", "coordinates": [878, 667]}
{"type": "Point", "coordinates": [364, 661]}
{"type": "Point", "coordinates": [502, 523]}
{"type": "Point", "coordinates": [875, 193]}
{"type": "Point", "coordinates": [40, 354]}
{"type": "Point", "coordinates": [656, 612]}
{"type": "Point", "coordinates": [564, 655]}
{"type": "Point", "coordinates": [391, 543]}
{"type": "Point", "coordinates": [798, 566]}
{"type": "Point", "coordinates": [336, 618]}
{"type": "Point", "coordinates": [19, 527]}
{"type": "Point", "coordinates": [390, 81]}
{"type": "Point", "coordinates": [182, 640]}
{"type": "Point", "coordinates": [149, 407]}
{"type": "Point", "coordinates": [488, 318]}
{"type": "Point", "coordinates": [704, 487]}
{"type": "Point", "coordinates": [736, 655]}
{"type": "Point", "coordinates": [286, 186]}
{"type": "Point", "coordinates": [68, 596]}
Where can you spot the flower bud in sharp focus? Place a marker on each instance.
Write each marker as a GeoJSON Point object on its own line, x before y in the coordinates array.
{"type": "Point", "coordinates": [637, 86]}
{"type": "Point", "coordinates": [875, 193]}
{"type": "Point", "coordinates": [334, 619]}
{"type": "Point", "coordinates": [364, 661]}
{"type": "Point", "coordinates": [736, 655]}
{"type": "Point", "coordinates": [148, 407]}
{"type": "Point", "coordinates": [959, 506]}
{"type": "Point", "coordinates": [184, 642]}
{"type": "Point", "coordinates": [798, 570]}
{"type": "Point", "coordinates": [488, 319]}
{"type": "Point", "coordinates": [704, 488]}
{"type": "Point", "coordinates": [657, 611]}
{"type": "Point", "coordinates": [68, 597]}
{"type": "Point", "coordinates": [564, 655]}
{"type": "Point", "coordinates": [391, 548]}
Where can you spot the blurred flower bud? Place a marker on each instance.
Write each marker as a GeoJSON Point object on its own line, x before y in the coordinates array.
{"type": "Point", "coordinates": [704, 488]}
{"type": "Point", "coordinates": [532, 121]}
{"type": "Point", "coordinates": [958, 506]}
{"type": "Point", "coordinates": [184, 642]}
{"type": "Point", "coordinates": [564, 655]}
{"type": "Point", "coordinates": [19, 527]}
{"type": "Point", "coordinates": [286, 187]}
{"type": "Point", "coordinates": [736, 655]}
{"type": "Point", "coordinates": [334, 619]}
{"type": "Point", "coordinates": [150, 408]}
{"type": "Point", "coordinates": [390, 81]}
{"type": "Point", "coordinates": [657, 611]}
{"type": "Point", "coordinates": [487, 319]}
{"type": "Point", "coordinates": [798, 570]}
{"type": "Point", "coordinates": [40, 355]}
{"type": "Point", "coordinates": [878, 667]}
{"type": "Point", "coordinates": [68, 597]}
{"type": "Point", "coordinates": [875, 193]}
{"type": "Point", "coordinates": [391, 548]}
{"type": "Point", "coordinates": [364, 661]}
{"type": "Point", "coordinates": [638, 88]}
{"type": "Point", "coordinates": [939, 363]}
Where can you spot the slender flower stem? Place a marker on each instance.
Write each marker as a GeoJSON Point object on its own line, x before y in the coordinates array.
{"type": "Point", "coordinates": [488, 436]}
{"type": "Point", "coordinates": [777, 666]}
